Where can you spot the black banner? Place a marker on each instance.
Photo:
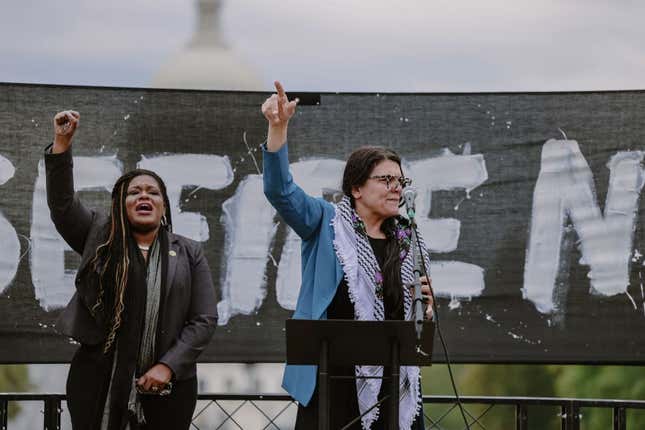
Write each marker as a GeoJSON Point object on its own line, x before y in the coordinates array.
{"type": "Point", "coordinates": [529, 203]}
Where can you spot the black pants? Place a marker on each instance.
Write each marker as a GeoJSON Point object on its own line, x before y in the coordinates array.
{"type": "Point", "coordinates": [172, 412]}
{"type": "Point", "coordinates": [87, 385]}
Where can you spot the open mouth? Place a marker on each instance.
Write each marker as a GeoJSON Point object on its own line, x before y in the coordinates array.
{"type": "Point", "coordinates": [143, 208]}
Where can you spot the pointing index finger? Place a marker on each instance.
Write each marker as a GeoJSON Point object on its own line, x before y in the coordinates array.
{"type": "Point", "coordinates": [279, 89]}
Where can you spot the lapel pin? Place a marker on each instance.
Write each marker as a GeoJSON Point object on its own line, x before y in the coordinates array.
{"type": "Point", "coordinates": [172, 253]}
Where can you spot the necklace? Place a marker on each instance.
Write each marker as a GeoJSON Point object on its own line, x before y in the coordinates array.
{"type": "Point", "coordinates": [143, 248]}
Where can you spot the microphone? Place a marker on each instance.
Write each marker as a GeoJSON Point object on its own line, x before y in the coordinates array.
{"type": "Point", "coordinates": [409, 195]}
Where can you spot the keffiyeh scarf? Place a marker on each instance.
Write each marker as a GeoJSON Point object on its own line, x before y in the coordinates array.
{"type": "Point", "coordinates": [365, 282]}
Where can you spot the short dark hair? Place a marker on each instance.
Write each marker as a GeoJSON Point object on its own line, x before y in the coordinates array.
{"type": "Point", "coordinates": [361, 163]}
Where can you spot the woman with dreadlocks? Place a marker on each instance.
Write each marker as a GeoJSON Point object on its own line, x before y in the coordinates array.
{"type": "Point", "coordinates": [144, 306]}
{"type": "Point", "coordinates": [356, 260]}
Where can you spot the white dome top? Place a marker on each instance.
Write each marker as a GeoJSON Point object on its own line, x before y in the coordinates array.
{"type": "Point", "coordinates": [207, 69]}
{"type": "Point", "coordinates": [206, 62]}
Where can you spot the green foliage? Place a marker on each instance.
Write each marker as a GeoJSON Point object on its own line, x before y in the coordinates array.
{"type": "Point", "coordinates": [603, 382]}
{"type": "Point", "coordinates": [14, 378]}
{"type": "Point", "coordinates": [493, 380]}
{"type": "Point", "coordinates": [585, 382]}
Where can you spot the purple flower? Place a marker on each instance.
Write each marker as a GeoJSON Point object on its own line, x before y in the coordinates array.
{"type": "Point", "coordinates": [403, 254]}
{"type": "Point", "coordinates": [378, 277]}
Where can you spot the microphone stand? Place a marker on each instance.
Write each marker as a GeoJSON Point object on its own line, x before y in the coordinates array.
{"type": "Point", "coordinates": [417, 257]}
{"type": "Point", "coordinates": [418, 272]}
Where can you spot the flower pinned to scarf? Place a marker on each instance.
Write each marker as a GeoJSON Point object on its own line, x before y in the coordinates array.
{"type": "Point", "coordinates": [378, 280]}
{"type": "Point", "coordinates": [359, 225]}
{"type": "Point", "coordinates": [404, 237]}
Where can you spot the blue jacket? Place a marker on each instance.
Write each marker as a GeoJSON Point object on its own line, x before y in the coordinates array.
{"type": "Point", "coordinates": [311, 219]}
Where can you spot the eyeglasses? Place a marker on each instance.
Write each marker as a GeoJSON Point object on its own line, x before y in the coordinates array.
{"type": "Point", "coordinates": [388, 179]}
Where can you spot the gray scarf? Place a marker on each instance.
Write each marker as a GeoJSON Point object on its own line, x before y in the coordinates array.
{"type": "Point", "coordinates": [149, 334]}
{"type": "Point", "coordinates": [146, 354]}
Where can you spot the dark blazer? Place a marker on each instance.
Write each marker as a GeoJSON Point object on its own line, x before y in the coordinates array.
{"type": "Point", "coordinates": [189, 303]}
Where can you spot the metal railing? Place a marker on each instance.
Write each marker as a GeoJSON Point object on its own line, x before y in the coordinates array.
{"type": "Point", "coordinates": [569, 416]}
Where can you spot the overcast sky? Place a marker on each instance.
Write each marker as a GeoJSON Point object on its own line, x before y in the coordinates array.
{"type": "Point", "coordinates": [339, 45]}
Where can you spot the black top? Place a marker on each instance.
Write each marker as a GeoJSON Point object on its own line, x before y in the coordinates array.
{"type": "Point", "coordinates": [341, 306]}
{"type": "Point", "coordinates": [344, 402]}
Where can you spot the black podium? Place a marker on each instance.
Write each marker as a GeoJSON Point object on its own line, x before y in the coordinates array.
{"type": "Point", "coordinates": [328, 343]}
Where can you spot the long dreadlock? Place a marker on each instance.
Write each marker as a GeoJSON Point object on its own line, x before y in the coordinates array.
{"type": "Point", "coordinates": [111, 262]}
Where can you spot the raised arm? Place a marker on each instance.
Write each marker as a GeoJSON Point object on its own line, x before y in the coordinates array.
{"type": "Point", "coordinates": [71, 218]}
{"type": "Point", "coordinates": [302, 212]}
{"type": "Point", "coordinates": [278, 110]}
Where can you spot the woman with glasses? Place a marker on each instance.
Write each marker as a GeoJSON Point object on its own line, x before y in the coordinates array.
{"type": "Point", "coordinates": [356, 260]}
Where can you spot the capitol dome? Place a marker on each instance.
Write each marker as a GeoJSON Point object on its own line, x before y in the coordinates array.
{"type": "Point", "coordinates": [207, 63]}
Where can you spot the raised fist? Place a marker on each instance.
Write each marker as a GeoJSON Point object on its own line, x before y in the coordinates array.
{"type": "Point", "coordinates": [65, 124]}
